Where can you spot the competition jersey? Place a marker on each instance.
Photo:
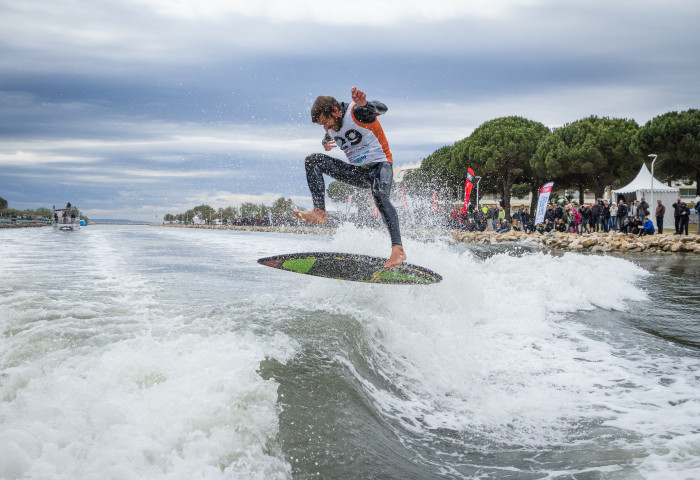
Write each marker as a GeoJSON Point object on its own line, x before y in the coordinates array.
{"type": "Point", "coordinates": [363, 143]}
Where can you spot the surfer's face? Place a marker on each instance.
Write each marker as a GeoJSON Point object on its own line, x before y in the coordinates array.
{"type": "Point", "coordinates": [332, 121]}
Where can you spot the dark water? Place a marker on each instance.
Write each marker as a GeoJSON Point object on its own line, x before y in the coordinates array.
{"type": "Point", "coordinates": [144, 352]}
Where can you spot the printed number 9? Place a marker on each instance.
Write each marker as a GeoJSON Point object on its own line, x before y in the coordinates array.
{"type": "Point", "coordinates": [353, 136]}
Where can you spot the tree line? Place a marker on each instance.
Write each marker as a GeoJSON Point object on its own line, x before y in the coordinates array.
{"type": "Point", "coordinates": [7, 212]}
{"type": "Point", "coordinates": [515, 156]}
{"type": "Point", "coordinates": [282, 207]}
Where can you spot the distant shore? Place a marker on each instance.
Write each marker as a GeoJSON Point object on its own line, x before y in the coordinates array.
{"type": "Point", "coordinates": [22, 224]}
{"type": "Point", "coordinates": [594, 242]}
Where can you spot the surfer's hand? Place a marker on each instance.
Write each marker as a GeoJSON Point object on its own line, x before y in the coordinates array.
{"type": "Point", "coordinates": [329, 145]}
{"type": "Point", "coordinates": [358, 96]}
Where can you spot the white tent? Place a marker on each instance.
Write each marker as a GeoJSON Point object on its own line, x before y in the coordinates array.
{"type": "Point", "coordinates": [647, 187]}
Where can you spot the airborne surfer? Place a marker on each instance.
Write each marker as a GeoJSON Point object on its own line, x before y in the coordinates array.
{"type": "Point", "coordinates": [368, 163]}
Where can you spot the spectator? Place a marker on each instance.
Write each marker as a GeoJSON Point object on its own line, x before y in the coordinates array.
{"type": "Point", "coordinates": [585, 218]}
{"type": "Point", "coordinates": [605, 217]}
{"type": "Point", "coordinates": [643, 210]}
{"type": "Point", "coordinates": [549, 214]}
{"type": "Point", "coordinates": [493, 216]}
{"type": "Point", "coordinates": [660, 212]}
{"type": "Point", "coordinates": [575, 220]}
{"type": "Point", "coordinates": [621, 213]}
{"type": "Point", "coordinates": [647, 227]}
{"type": "Point", "coordinates": [634, 209]}
{"type": "Point", "coordinates": [684, 219]}
{"type": "Point", "coordinates": [677, 215]}
{"type": "Point", "coordinates": [613, 216]}
{"type": "Point", "coordinates": [596, 213]}
{"type": "Point", "coordinates": [560, 225]}
{"type": "Point", "coordinates": [504, 226]}
{"type": "Point", "coordinates": [526, 220]}
{"type": "Point", "coordinates": [501, 213]}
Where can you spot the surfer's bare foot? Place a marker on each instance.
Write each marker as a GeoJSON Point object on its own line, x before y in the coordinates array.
{"type": "Point", "coordinates": [316, 216]}
{"type": "Point", "coordinates": [397, 257]}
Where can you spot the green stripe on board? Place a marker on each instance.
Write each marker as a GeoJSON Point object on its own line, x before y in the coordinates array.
{"type": "Point", "coordinates": [301, 265]}
{"type": "Point", "coordinates": [389, 275]}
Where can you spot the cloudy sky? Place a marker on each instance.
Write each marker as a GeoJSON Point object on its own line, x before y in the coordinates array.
{"type": "Point", "coordinates": [137, 108]}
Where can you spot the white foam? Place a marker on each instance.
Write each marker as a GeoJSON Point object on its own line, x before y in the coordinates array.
{"type": "Point", "coordinates": [499, 349]}
{"type": "Point", "coordinates": [102, 380]}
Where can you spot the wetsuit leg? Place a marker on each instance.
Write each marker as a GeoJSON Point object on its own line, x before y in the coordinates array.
{"type": "Point", "coordinates": [317, 164]}
{"type": "Point", "coordinates": [381, 190]}
{"type": "Point", "coordinates": [377, 176]}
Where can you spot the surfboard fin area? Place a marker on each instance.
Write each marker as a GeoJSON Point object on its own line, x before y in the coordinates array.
{"type": "Point", "coordinates": [352, 267]}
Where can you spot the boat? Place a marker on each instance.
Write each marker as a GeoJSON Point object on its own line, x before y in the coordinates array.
{"type": "Point", "coordinates": [66, 219]}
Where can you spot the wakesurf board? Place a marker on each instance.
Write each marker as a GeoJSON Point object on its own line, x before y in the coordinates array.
{"type": "Point", "coordinates": [353, 267]}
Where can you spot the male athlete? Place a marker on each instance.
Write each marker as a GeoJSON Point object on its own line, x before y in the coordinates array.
{"type": "Point", "coordinates": [356, 130]}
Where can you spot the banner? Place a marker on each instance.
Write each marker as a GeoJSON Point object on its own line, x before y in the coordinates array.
{"type": "Point", "coordinates": [435, 201]}
{"type": "Point", "coordinates": [348, 204]}
{"type": "Point", "coordinates": [468, 184]}
{"type": "Point", "coordinates": [542, 202]}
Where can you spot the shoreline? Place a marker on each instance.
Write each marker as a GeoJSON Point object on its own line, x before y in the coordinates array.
{"type": "Point", "coordinates": [592, 242]}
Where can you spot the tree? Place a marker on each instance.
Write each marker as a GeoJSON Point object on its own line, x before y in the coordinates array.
{"type": "Point", "coordinates": [438, 172]}
{"type": "Point", "coordinates": [229, 213]}
{"type": "Point", "coordinates": [339, 192]}
{"type": "Point", "coordinates": [282, 207]}
{"type": "Point", "coordinates": [205, 212]}
{"type": "Point", "coordinates": [675, 138]}
{"type": "Point", "coordinates": [3, 203]}
{"type": "Point", "coordinates": [249, 210]}
{"type": "Point", "coordinates": [500, 150]}
{"type": "Point", "coordinates": [588, 151]}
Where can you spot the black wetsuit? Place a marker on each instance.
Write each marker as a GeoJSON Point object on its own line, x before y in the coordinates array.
{"type": "Point", "coordinates": [377, 176]}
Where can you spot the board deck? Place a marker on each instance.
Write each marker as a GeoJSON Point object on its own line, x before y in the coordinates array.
{"type": "Point", "coordinates": [353, 267]}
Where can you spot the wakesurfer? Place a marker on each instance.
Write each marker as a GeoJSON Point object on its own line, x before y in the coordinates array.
{"type": "Point", "coordinates": [368, 163]}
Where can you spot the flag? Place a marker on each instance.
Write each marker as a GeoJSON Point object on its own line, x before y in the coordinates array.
{"type": "Point", "coordinates": [542, 202]}
{"type": "Point", "coordinates": [348, 204]}
{"type": "Point", "coordinates": [435, 201]}
{"type": "Point", "coordinates": [468, 184]}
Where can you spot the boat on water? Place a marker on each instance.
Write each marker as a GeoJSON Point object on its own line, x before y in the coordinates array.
{"type": "Point", "coordinates": [66, 219]}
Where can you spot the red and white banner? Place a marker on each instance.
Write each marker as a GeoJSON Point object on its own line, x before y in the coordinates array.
{"type": "Point", "coordinates": [435, 201]}
{"type": "Point", "coordinates": [542, 202]}
{"type": "Point", "coordinates": [468, 184]}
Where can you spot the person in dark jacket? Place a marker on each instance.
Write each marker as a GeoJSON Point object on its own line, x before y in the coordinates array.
{"type": "Point", "coordinates": [526, 221]}
{"type": "Point", "coordinates": [596, 212]}
{"type": "Point", "coordinates": [677, 215]}
{"type": "Point", "coordinates": [660, 212]}
{"type": "Point", "coordinates": [643, 209]}
{"type": "Point", "coordinates": [684, 219]}
{"type": "Point", "coordinates": [621, 213]}
{"type": "Point", "coordinates": [605, 217]}
{"type": "Point", "coordinates": [585, 218]}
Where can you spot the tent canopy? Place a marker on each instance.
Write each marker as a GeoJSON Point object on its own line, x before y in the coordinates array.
{"type": "Point", "coordinates": [644, 181]}
{"type": "Point", "coordinates": [641, 187]}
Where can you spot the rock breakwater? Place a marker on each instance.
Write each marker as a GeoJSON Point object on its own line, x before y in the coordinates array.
{"type": "Point", "coordinates": [594, 242]}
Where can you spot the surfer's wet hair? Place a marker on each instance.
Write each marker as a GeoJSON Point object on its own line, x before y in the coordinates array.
{"type": "Point", "coordinates": [323, 106]}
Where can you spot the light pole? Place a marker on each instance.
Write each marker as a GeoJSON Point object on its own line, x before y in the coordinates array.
{"type": "Point", "coordinates": [478, 179]}
{"type": "Point", "coordinates": [651, 195]}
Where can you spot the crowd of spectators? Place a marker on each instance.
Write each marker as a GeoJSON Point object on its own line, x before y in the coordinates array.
{"type": "Point", "coordinates": [600, 216]}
